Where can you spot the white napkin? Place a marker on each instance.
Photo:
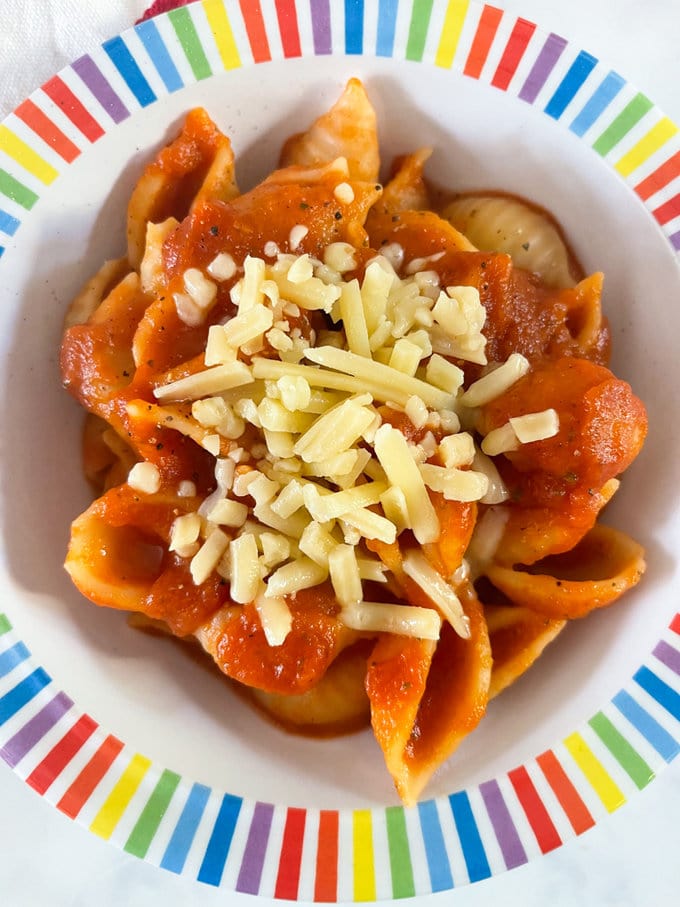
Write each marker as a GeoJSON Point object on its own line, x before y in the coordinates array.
{"type": "Point", "coordinates": [39, 37]}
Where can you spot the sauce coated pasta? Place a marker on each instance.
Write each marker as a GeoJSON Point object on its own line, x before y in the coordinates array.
{"type": "Point", "coordinates": [354, 453]}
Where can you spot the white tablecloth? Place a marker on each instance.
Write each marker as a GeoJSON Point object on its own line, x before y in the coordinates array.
{"type": "Point", "coordinates": [629, 860]}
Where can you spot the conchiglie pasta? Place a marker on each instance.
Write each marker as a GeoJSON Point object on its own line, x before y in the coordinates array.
{"type": "Point", "coordinates": [278, 388]}
{"type": "Point", "coordinates": [499, 223]}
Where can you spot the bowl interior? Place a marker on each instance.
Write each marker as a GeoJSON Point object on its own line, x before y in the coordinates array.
{"type": "Point", "coordinates": [156, 694]}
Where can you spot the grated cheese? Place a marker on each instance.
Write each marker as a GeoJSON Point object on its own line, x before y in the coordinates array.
{"type": "Point", "coordinates": [437, 590]}
{"type": "Point", "coordinates": [204, 562]}
{"type": "Point", "coordinates": [331, 474]}
{"type": "Point", "coordinates": [344, 193]}
{"type": "Point", "coordinates": [344, 574]}
{"type": "Point", "coordinates": [496, 382]}
{"type": "Point", "coordinates": [394, 455]}
{"type": "Point", "coordinates": [297, 234]}
{"type": "Point", "coordinates": [200, 289]}
{"type": "Point", "coordinates": [275, 618]}
{"type": "Point", "coordinates": [536, 426]}
{"type": "Point", "coordinates": [384, 617]}
{"type": "Point", "coordinates": [222, 267]}
{"type": "Point", "coordinates": [145, 477]}
{"type": "Point", "coordinates": [214, 380]}
{"type": "Point", "coordinates": [245, 568]}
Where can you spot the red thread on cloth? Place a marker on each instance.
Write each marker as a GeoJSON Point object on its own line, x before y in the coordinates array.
{"type": "Point", "coordinates": [162, 6]}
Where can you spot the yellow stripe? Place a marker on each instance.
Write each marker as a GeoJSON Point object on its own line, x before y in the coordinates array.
{"type": "Point", "coordinates": [657, 136]}
{"type": "Point", "coordinates": [600, 780]}
{"type": "Point", "coordinates": [117, 801]}
{"type": "Point", "coordinates": [24, 155]}
{"type": "Point", "coordinates": [364, 871]}
{"type": "Point", "coordinates": [219, 24]}
{"type": "Point", "coordinates": [453, 26]}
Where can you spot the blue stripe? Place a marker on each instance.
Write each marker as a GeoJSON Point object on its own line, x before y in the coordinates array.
{"type": "Point", "coordinates": [158, 52]}
{"type": "Point", "coordinates": [354, 26]}
{"type": "Point", "coordinates": [659, 690]}
{"type": "Point", "coordinates": [13, 657]}
{"type": "Point", "coordinates": [387, 23]}
{"type": "Point", "coordinates": [435, 851]}
{"type": "Point", "coordinates": [22, 693]}
{"type": "Point", "coordinates": [665, 745]}
{"type": "Point", "coordinates": [578, 72]}
{"type": "Point", "coordinates": [216, 852]}
{"type": "Point", "coordinates": [182, 837]}
{"type": "Point", "coordinates": [8, 224]}
{"type": "Point", "coordinates": [604, 95]}
{"type": "Point", "coordinates": [126, 65]}
{"type": "Point", "coordinates": [2, 250]}
{"type": "Point", "coordinates": [471, 842]}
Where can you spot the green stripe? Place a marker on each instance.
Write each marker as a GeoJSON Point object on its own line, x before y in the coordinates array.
{"type": "Point", "coordinates": [188, 37]}
{"type": "Point", "coordinates": [5, 625]}
{"type": "Point", "coordinates": [629, 759]}
{"type": "Point", "coordinates": [400, 855]}
{"type": "Point", "coordinates": [142, 834]}
{"type": "Point", "coordinates": [417, 33]}
{"type": "Point", "coordinates": [631, 114]}
{"type": "Point", "coordinates": [17, 191]}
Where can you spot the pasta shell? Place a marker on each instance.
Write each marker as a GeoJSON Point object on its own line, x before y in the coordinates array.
{"type": "Point", "coordinates": [347, 130]}
{"type": "Point", "coordinates": [499, 223]}
{"type": "Point", "coordinates": [597, 571]}
{"type": "Point", "coordinates": [518, 637]}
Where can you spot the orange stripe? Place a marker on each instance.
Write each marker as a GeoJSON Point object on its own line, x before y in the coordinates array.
{"type": "Point", "coordinates": [80, 791]}
{"type": "Point", "coordinates": [42, 125]}
{"type": "Point", "coordinates": [569, 798]}
{"type": "Point", "coordinates": [481, 44]}
{"type": "Point", "coordinates": [326, 881]}
{"type": "Point", "coordinates": [257, 35]}
{"type": "Point", "coordinates": [659, 178]}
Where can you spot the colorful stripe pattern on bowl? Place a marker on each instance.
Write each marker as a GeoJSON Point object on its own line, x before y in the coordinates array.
{"type": "Point", "coordinates": [290, 852]}
{"type": "Point", "coordinates": [337, 855]}
{"type": "Point", "coordinates": [159, 56]}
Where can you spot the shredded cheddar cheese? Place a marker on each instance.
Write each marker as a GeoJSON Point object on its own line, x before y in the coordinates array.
{"type": "Point", "coordinates": [328, 474]}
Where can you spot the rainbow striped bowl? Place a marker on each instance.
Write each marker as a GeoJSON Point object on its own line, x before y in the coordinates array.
{"type": "Point", "coordinates": [242, 805]}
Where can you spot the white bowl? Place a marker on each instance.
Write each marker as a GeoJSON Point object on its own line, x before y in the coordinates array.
{"type": "Point", "coordinates": [597, 707]}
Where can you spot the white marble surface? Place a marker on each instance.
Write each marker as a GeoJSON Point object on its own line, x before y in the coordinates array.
{"type": "Point", "coordinates": [631, 859]}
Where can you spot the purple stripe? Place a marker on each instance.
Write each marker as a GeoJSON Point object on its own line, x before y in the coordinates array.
{"type": "Point", "coordinates": [511, 846]}
{"type": "Point", "coordinates": [321, 26]}
{"type": "Point", "coordinates": [545, 62]}
{"type": "Point", "coordinates": [675, 241]}
{"type": "Point", "coordinates": [668, 655]}
{"type": "Point", "coordinates": [250, 872]}
{"type": "Point", "coordinates": [34, 730]}
{"type": "Point", "coordinates": [101, 88]}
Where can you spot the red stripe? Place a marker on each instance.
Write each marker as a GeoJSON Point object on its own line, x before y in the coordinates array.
{"type": "Point", "coordinates": [481, 44]}
{"type": "Point", "coordinates": [660, 177]}
{"type": "Point", "coordinates": [675, 624]}
{"type": "Point", "coordinates": [79, 792]}
{"type": "Point", "coordinates": [569, 798]}
{"type": "Point", "coordinates": [537, 814]}
{"type": "Point", "coordinates": [82, 119]}
{"type": "Point", "coordinates": [257, 35]}
{"type": "Point", "coordinates": [288, 878]}
{"type": "Point", "coordinates": [61, 754]}
{"type": "Point", "coordinates": [513, 53]}
{"type": "Point", "coordinates": [43, 127]}
{"type": "Point", "coordinates": [288, 26]}
{"type": "Point", "coordinates": [326, 881]}
{"type": "Point", "coordinates": [668, 210]}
